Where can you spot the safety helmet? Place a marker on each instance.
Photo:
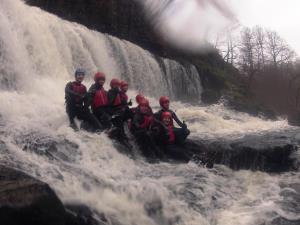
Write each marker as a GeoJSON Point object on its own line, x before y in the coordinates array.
{"type": "Point", "coordinates": [114, 83]}
{"type": "Point", "coordinates": [98, 76]}
{"type": "Point", "coordinates": [166, 114]}
{"type": "Point", "coordinates": [123, 83]}
{"type": "Point", "coordinates": [163, 100]}
{"type": "Point", "coordinates": [79, 71]}
{"type": "Point", "coordinates": [144, 102]}
{"type": "Point", "coordinates": [139, 98]}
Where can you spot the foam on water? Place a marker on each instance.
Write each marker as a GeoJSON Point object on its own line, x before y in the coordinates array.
{"type": "Point", "coordinates": [38, 54]}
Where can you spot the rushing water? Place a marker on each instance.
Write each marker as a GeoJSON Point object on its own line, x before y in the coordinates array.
{"type": "Point", "coordinates": [38, 53]}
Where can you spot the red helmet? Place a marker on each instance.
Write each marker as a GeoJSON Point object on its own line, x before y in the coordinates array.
{"type": "Point", "coordinates": [114, 83]}
{"type": "Point", "coordinates": [139, 98]}
{"type": "Point", "coordinates": [166, 118]}
{"type": "Point", "coordinates": [99, 76]}
{"type": "Point", "coordinates": [123, 84]}
{"type": "Point", "coordinates": [166, 114]}
{"type": "Point", "coordinates": [144, 102]}
{"type": "Point", "coordinates": [163, 99]}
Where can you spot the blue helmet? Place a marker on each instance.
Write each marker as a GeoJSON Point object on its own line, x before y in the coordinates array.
{"type": "Point", "coordinates": [79, 71]}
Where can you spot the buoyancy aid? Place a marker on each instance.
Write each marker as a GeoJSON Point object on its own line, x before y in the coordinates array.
{"type": "Point", "coordinates": [79, 89]}
{"type": "Point", "coordinates": [100, 99]}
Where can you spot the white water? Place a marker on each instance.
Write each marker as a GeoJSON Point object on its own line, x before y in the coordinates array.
{"type": "Point", "coordinates": [38, 53]}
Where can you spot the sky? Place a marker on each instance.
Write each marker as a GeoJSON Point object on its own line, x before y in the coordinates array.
{"type": "Point", "coordinates": [281, 16]}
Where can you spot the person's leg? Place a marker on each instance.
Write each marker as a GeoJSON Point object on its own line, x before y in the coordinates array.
{"type": "Point", "coordinates": [181, 135]}
{"type": "Point", "coordinates": [103, 117]}
{"type": "Point", "coordinates": [86, 116]}
{"type": "Point", "coordinates": [145, 144]}
{"type": "Point", "coordinates": [71, 112]}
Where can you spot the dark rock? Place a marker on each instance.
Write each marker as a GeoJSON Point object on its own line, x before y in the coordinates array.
{"type": "Point", "coordinates": [282, 221]}
{"type": "Point", "coordinates": [27, 201]}
{"type": "Point", "coordinates": [84, 215]}
{"type": "Point", "coordinates": [269, 152]}
{"type": "Point", "coordinates": [52, 147]}
{"type": "Point", "coordinates": [24, 200]}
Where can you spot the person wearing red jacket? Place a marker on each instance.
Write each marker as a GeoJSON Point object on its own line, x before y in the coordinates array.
{"type": "Point", "coordinates": [98, 100]}
{"type": "Point", "coordinates": [114, 96]}
{"type": "Point", "coordinates": [142, 122]}
{"type": "Point", "coordinates": [180, 133]}
{"type": "Point", "coordinates": [76, 105]}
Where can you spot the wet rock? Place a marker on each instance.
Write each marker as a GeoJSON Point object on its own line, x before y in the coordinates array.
{"type": "Point", "coordinates": [52, 147]}
{"type": "Point", "coordinates": [271, 152]}
{"type": "Point", "coordinates": [27, 201]}
{"type": "Point", "coordinates": [84, 215]}
{"type": "Point", "coordinates": [24, 200]}
{"type": "Point", "coordinates": [282, 221]}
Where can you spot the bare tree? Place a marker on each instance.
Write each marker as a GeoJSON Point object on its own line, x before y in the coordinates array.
{"type": "Point", "coordinates": [279, 52]}
{"type": "Point", "coordinates": [260, 39]}
{"type": "Point", "coordinates": [247, 54]}
{"type": "Point", "coordinates": [228, 46]}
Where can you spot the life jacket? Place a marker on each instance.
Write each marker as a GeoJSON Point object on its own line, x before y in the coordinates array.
{"type": "Point", "coordinates": [117, 100]}
{"type": "Point", "coordinates": [80, 89]}
{"type": "Point", "coordinates": [148, 120]}
{"type": "Point", "coordinates": [100, 99]}
{"type": "Point", "coordinates": [171, 135]}
{"type": "Point", "coordinates": [167, 120]}
{"type": "Point", "coordinates": [124, 97]}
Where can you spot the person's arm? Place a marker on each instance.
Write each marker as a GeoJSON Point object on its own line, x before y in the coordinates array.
{"type": "Point", "coordinates": [111, 96]}
{"type": "Point", "coordinates": [136, 120]}
{"type": "Point", "coordinates": [90, 95]}
{"type": "Point", "coordinates": [181, 124]}
{"type": "Point", "coordinates": [157, 115]}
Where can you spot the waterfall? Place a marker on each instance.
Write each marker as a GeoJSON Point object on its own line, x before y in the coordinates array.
{"type": "Point", "coordinates": [42, 45]}
{"type": "Point", "coordinates": [38, 55]}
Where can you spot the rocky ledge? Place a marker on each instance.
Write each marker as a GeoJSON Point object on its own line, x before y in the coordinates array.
{"type": "Point", "coordinates": [27, 201]}
{"type": "Point", "coordinates": [269, 152]}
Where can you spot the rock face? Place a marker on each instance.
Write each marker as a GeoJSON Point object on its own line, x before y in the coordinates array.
{"type": "Point", "coordinates": [274, 152]}
{"type": "Point", "coordinates": [27, 201]}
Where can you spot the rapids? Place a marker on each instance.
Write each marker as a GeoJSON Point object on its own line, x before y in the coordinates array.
{"type": "Point", "coordinates": [38, 54]}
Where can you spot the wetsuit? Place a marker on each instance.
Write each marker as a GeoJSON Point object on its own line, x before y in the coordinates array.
{"type": "Point", "coordinates": [76, 106]}
{"type": "Point", "coordinates": [114, 100]}
{"type": "Point", "coordinates": [142, 130]}
{"type": "Point", "coordinates": [118, 103]}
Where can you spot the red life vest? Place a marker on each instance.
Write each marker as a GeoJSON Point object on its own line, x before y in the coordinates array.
{"type": "Point", "coordinates": [124, 97]}
{"type": "Point", "coordinates": [167, 120]}
{"type": "Point", "coordinates": [100, 99]}
{"type": "Point", "coordinates": [80, 89]}
{"type": "Point", "coordinates": [171, 135]}
{"type": "Point", "coordinates": [147, 122]}
{"type": "Point", "coordinates": [117, 100]}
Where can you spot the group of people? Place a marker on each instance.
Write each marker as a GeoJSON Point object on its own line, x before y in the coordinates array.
{"type": "Point", "coordinates": [110, 109]}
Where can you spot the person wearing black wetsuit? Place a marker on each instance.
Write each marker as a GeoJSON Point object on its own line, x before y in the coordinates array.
{"type": "Point", "coordinates": [180, 133]}
{"type": "Point", "coordinates": [76, 105]}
